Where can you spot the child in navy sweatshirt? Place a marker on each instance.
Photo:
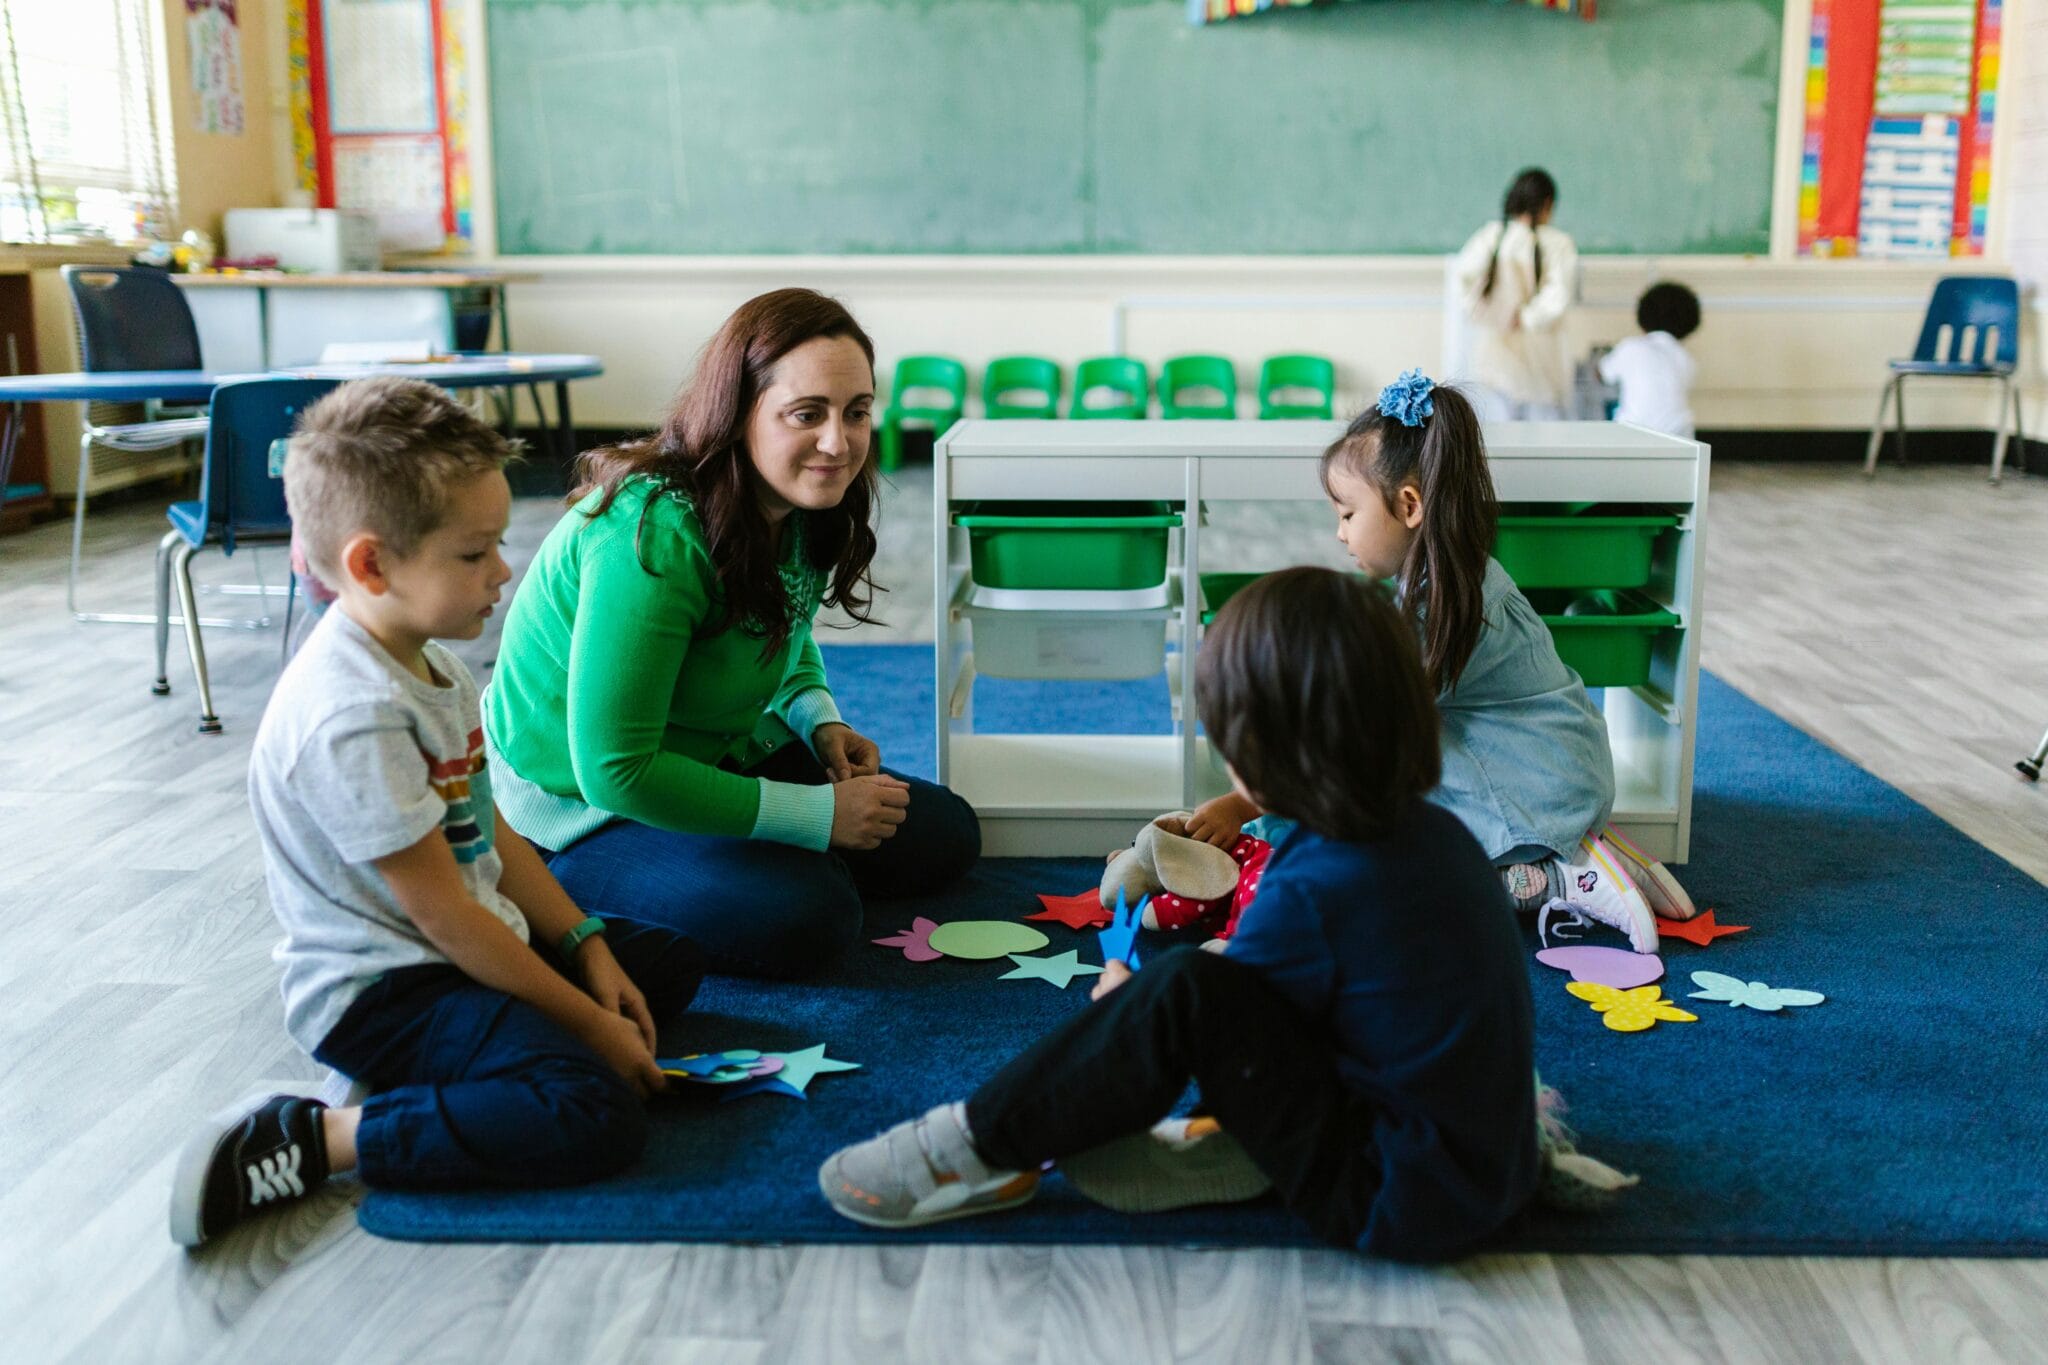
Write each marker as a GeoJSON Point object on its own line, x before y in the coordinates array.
{"type": "Point", "coordinates": [1362, 1046]}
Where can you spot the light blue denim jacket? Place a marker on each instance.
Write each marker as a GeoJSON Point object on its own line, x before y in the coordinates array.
{"type": "Point", "coordinates": [1525, 756]}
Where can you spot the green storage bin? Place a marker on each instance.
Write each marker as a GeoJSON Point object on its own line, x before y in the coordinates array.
{"type": "Point", "coordinates": [1584, 551]}
{"type": "Point", "coordinates": [1610, 645]}
{"type": "Point", "coordinates": [1218, 588]}
{"type": "Point", "coordinates": [1067, 544]}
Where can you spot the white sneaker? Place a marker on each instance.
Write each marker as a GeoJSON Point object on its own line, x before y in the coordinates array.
{"type": "Point", "coordinates": [1597, 880]}
{"type": "Point", "coordinates": [1666, 897]}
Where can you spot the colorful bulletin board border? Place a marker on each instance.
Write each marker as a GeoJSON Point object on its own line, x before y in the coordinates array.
{"type": "Point", "coordinates": [413, 173]}
{"type": "Point", "coordinates": [1216, 11]}
{"type": "Point", "coordinates": [1871, 64]}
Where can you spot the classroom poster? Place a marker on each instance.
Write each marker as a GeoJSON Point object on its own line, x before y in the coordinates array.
{"type": "Point", "coordinates": [1901, 98]}
{"type": "Point", "coordinates": [380, 110]}
{"type": "Point", "coordinates": [213, 43]}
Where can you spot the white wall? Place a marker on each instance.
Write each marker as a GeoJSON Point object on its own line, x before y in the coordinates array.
{"type": "Point", "coordinates": [1786, 344]}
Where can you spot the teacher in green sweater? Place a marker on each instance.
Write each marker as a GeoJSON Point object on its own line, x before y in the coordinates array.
{"type": "Point", "coordinates": [659, 720]}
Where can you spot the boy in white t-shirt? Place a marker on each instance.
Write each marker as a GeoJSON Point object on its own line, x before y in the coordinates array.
{"type": "Point", "coordinates": [428, 953]}
{"type": "Point", "coordinates": [1653, 370]}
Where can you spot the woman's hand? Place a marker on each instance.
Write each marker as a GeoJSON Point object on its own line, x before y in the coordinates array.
{"type": "Point", "coordinates": [866, 810]}
{"type": "Point", "coordinates": [607, 983]}
{"type": "Point", "coordinates": [1114, 973]}
{"type": "Point", "coordinates": [845, 752]}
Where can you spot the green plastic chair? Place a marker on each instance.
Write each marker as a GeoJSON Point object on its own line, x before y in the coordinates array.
{"type": "Point", "coordinates": [1008, 386]}
{"type": "Point", "coordinates": [1282, 372]}
{"type": "Point", "coordinates": [921, 372]}
{"type": "Point", "coordinates": [1126, 376]}
{"type": "Point", "coordinates": [1185, 372]}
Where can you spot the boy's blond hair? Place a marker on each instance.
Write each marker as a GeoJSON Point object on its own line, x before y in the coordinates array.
{"type": "Point", "coordinates": [380, 455]}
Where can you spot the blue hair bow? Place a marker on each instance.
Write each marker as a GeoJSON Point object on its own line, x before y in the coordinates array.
{"type": "Point", "coordinates": [1407, 399]}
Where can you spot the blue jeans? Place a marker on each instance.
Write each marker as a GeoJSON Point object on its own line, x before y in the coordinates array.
{"type": "Point", "coordinates": [761, 908]}
{"type": "Point", "coordinates": [471, 1087]}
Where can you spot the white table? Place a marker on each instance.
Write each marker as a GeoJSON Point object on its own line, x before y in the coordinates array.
{"type": "Point", "coordinates": [1059, 794]}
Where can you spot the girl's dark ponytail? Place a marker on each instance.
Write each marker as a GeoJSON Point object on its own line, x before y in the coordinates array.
{"type": "Point", "coordinates": [1446, 566]}
{"type": "Point", "coordinates": [1531, 193]}
{"type": "Point", "coordinates": [1444, 455]}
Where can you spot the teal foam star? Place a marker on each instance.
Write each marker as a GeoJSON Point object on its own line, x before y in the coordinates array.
{"type": "Point", "coordinates": [1060, 971]}
{"type": "Point", "coordinates": [799, 1067]}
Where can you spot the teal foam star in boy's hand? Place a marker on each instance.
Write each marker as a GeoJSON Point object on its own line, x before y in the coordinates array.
{"type": "Point", "coordinates": [1060, 971]}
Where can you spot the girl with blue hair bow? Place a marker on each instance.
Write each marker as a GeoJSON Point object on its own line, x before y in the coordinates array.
{"type": "Point", "coordinates": [1526, 764]}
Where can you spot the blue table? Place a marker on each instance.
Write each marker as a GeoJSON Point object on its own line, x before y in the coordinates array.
{"type": "Point", "coordinates": [477, 371]}
{"type": "Point", "coordinates": [496, 369]}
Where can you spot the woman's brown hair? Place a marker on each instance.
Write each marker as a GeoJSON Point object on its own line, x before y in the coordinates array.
{"type": "Point", "coordinates": [1443, 578]}
{"type": "Point", "coordinates": [1309, 684]}
{"type": "Point", "coordinates": [701, 452]}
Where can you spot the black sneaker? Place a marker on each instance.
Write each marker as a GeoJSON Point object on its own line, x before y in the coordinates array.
{"type": "Point", "coordinates": [247, 1162]}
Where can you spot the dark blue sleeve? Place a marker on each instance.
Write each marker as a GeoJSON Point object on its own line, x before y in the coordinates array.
{"type": "Point", "coordinates": [1281, 936]}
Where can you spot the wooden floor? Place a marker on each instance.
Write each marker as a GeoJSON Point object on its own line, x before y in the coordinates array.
{"type": "Point", "coordinates": [1903, 622]}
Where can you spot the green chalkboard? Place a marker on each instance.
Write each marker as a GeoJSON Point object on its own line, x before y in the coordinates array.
{"type": "Point", "coordinates": [762, 126]}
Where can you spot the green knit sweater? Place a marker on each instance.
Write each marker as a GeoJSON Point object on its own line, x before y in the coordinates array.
{"type": "Point", "coordinates": [609, 699]}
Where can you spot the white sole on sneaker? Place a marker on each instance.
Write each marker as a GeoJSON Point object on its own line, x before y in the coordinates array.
{"type": "Point", "coordinates": [1659, 887]}
{"type": "Point", "coordinates": [964, 1209]}
{"type": "Point", "coordinates": [195, 1159]}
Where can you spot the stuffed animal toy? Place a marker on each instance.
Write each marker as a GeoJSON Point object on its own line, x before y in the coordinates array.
{"type": "Point", "coordinates": [1186, 883]}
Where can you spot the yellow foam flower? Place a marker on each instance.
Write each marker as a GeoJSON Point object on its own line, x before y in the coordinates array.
{"type": "Point", "coordinates": [1629, 1011]}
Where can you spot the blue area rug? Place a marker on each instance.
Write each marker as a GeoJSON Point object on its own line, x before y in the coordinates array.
{"type": "Point", "coordinates": [1906, 1116]}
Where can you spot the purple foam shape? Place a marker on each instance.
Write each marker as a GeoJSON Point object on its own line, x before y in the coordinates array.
{"type": "Point", "coordinates": [1614, 967]}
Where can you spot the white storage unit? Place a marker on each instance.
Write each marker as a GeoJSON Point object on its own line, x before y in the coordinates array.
{"type": "Point", "coordinates": [1064, 794]}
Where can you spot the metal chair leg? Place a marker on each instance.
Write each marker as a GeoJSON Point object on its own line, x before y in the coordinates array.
{"type": "Point", "coordinates": [1884, 397]}
{"type": "Point", "coordinates": [1998, 441]}
{"type": "Point", "coordinates": [1899, 413]}
{"type": "Point", "coordinates": [2030, 768]}
{"type": "Point", "coordinates": [164, 547]}
{"type": "Point", "coordinates": [78, 528]}
{"type": "Point", "coordinates": [291, 597]}
{"type": "Point", "coordinates": [181, 566]}
{"type": "Point", "coordinates": [2019, 428]}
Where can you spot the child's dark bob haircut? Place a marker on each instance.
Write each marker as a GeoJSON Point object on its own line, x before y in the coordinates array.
{"type": "Point", "coordinates": [1310, 685]}
{"type": "Point", "coordinates": [1669, 307]}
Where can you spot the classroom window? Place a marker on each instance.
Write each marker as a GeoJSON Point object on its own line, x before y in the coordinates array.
{"type": "Point", "coordinates": [84, 124]}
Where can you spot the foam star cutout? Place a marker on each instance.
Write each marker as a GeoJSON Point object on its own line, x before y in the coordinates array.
{"type": "Point", "coordinates": [1083, 911]}
{"type": "Point", "coordinates": [799, 1067]}
{"type": "Point", "coordinates": [916, 941]}
{"type": "Point", "coordinates": [1120, 940]}
{"type": "Point", "coordinates": [794, 1072]}
{"type": "Point", "coordinates": [1701, 929]}
{"type": "Point", "coordinates": [1060, 971]}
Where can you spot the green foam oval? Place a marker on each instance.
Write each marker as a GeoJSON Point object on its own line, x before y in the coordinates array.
{"type": "Point", "coordinates": [982, 939]}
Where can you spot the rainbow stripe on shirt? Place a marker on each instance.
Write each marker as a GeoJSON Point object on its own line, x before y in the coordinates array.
{"type": "Point", "coordinates": [464, 786]}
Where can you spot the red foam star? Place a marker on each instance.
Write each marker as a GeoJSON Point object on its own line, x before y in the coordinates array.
{"type": "Point", "coordinates": [1700, 929]}
{"type": "Point", "coordinates": [1083, 911]}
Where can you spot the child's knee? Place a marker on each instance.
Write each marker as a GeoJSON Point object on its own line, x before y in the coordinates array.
{"type": "Point", "coordinates": [599, 1128]}
{"type": "Point", "coordinates": [812, 933]}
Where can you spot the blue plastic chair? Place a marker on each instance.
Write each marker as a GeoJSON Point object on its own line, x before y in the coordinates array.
{"type": "Point", "coordinates": [128, 319]}
{"type": "Point", "coordinates": [241, 503]}
{"type": "Point", "coordinates": [1972, 331]}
